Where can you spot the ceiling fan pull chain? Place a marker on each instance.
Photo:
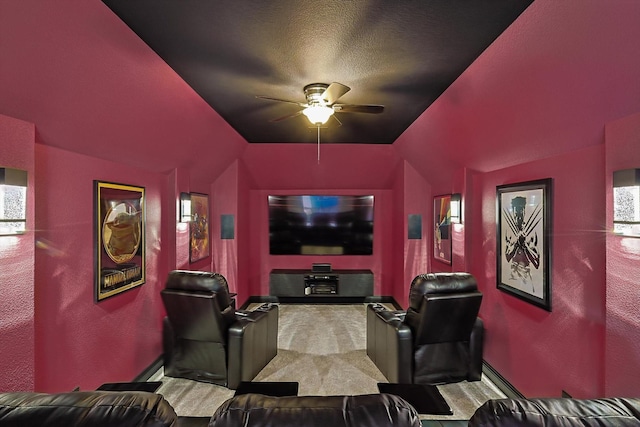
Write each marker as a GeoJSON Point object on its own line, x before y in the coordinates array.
{"type": "Point", "coordinates": [318, 144]}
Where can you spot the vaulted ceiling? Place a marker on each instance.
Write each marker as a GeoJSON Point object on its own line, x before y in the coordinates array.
{"type": "Point", "coordinates": [402, 55]}
{"type": "Point", "coordinates": [547, 85]}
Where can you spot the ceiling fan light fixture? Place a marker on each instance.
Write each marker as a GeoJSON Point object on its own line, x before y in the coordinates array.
{"type": "Point", "coordinates": [318, 114]}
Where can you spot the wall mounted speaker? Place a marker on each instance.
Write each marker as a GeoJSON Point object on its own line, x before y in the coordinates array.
{"type": "Point", "coordinates": [414, 226]}
{"type": "Point", "coordinates": [226, 227]}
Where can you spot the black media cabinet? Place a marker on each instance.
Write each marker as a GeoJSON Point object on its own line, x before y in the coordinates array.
{"type": "Point", "coordinates": [308, 286]}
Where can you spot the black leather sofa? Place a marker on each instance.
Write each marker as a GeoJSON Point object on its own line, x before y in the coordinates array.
{"type": "Point", "coordinates": [133, 409]}
{"type": "Point", "coordinates": [558, 412]}
{"type": "Point", "coordinates": [142, 409]}
{"type": "Point", "coordinates": [206, 339]}
{"type": "Point", "coordinates": [256, 410]}
{"type": "Point", "coordinates": [438, 340]}
{"type": "Point", "coordinates": [91, 409]}
{"type": "Point", "coordinates": [550, 412]}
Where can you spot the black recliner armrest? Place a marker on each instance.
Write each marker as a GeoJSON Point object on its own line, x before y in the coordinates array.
{"type": "Point", "coordinates": [253, 342]}
{"type": "Point", "coordinates": [389, 316]}
{"type": "Point", "coordinates": [389, 343]}
{"type": "Point", "coordinates": [253, 315]}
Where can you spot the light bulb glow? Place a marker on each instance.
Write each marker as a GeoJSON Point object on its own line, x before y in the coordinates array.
{"type": "Point", "coordinates": [318, 114]}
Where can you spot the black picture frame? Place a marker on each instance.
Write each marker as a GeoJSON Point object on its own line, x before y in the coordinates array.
{"type": "Point", "coordinates": [442, 238]}
{"type": "Point", "coordinates": [119, 238]}
{"type": "Point", "coordinates": [524, 222]}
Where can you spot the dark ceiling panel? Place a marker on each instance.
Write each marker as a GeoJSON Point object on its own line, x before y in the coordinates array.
{"type": "Point", "coordinates": [402, 55]}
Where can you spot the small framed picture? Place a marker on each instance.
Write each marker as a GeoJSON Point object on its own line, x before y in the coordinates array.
{"type": "Point", "coordinates": [199, 227]}
{"type": "Point", "coordinates": [442, 228]}
{"type": "Point", "coordinates": [523, 214]}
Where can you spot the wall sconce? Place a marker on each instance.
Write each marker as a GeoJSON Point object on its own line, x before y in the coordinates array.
{"type": "Point", "coordinates": [456, 208]}
{"type": "Point", "coordinates": [13, 201]}
{"type": "Point", "coordinates": [626, 202]}
{"type": "Point", "coordinates": [185, 207]}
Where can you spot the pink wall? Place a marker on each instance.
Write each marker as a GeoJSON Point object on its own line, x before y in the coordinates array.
{"type": "Point", "coordinates": [622, 350]}
{"type": "Point", "coordinates": [178, 239]}
{"type": "Point", "coordinates": [293, 166]}
{"type": "Point", "coordinates": [415, 253]}
{"type": "Point", "coordinates": [17, 267]}
{"type": "Point", "coordinates": [122, 115]}
{"type": "Point", "coordinates": [547, 86]}
{"type": "Point", "coordinates": [243, 236]}
{"type": "Point", "coordinates": [80, 342]}
{"type": "Point", "coordinates": [542, 353]}
{"type": "Point", "coordinates": [294, 169]}
{"type": "Point", "coordinates": [263, 263]}
{"type": "Point", "coordinates": [120, 102]}
{"type": "Point", "coordinates": [226, 193]}
{"type": "Point", "coordinates": [461, 232]}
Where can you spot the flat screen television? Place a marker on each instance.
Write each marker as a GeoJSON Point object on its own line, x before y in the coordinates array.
{"type": "Point", "coordinates": [320, 225]}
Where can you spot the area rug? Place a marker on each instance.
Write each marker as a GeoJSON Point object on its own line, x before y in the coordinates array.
{"type": "Point", "coordinates": [150, 386]}
{"type": "Point", "coordinates": [276, 389]}
{"type": "Point", "coordinates": [426, 399]}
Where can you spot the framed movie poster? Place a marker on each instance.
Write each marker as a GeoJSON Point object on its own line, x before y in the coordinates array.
{"type": "Point", "coordinates": [119, 237]}
{"type": "Point", "coordinates": [199, 227]}
{"type": "Point", "coordinates": [442, 228]}
{"type": "Point", "coordinates": [523, 240]}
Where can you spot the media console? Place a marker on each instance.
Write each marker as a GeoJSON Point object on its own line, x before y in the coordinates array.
{"type": "Point", "coordinates": [312, 285]}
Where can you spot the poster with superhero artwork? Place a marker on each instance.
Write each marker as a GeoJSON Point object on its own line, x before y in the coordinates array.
{"type": "Point", "coordinates": [523, 240]}
{"type": "Point", "coordinates": [119, 231]}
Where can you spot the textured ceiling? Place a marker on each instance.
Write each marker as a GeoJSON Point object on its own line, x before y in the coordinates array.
{"type": "Point", "coordinates": [402, 55]}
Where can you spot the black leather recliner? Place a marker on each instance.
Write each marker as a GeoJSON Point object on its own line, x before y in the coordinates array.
{"type": "Point", "coordinates": [89, 409]}
{"type": "Point", "coordinates": [257, 410]}
{"type": "Point", "coordinates": [142, 409]}
{"type": "Point", "coordinates": [206, 339]}
{"type": "Point", "coordinates": [558, 412]}
{"type": "Point", "coordinates": [438, 340]}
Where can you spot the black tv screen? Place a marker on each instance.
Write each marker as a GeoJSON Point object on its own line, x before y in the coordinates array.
{"type": "Point", "coordinates": [320, 225]}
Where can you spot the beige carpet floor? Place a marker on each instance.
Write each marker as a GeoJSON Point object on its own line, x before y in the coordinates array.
{"type": "Point", "coordinates": [323, 348]}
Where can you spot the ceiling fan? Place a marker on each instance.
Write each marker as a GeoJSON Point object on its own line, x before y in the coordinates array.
{"type": "Point", "coordinates": [322, 103]}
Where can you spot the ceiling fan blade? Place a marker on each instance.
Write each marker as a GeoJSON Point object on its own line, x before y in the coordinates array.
{"type": "Point", "coordinates": [288, 116]}
{"type": "Point", "coordinates": [334, 91]}
{"type": "Point", "coordinates": [352, 108]}
{"type": "Point", "coordinates": [268, 98]}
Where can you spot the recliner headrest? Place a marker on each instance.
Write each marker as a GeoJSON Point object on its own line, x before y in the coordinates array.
{"type": "Point", "coordinates": [439, 283]}
{"type": "Point", "coordinates": [201, 281]}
